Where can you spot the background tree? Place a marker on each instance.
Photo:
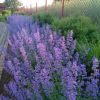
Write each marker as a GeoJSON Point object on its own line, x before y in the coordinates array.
{"type": "Point", "coordinates": [12, 4]}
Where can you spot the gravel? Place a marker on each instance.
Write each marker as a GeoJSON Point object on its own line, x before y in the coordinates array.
{"type": "Point", "coordinates": [3, 38]}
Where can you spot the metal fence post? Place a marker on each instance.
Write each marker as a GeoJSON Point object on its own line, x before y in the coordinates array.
{"type": "Point", "coordinates": [45, 5]}
{"type": "Point", "coordinates": [62, 10]}
{"type": "Point", "coordinates": [36, 7]}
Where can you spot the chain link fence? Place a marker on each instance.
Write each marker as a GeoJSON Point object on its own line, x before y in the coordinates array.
{"type": "Point", "coordinates": [89, 8]}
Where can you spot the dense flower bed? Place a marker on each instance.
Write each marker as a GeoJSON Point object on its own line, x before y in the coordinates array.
{"type": "Point", "coordinates": [46, 66]}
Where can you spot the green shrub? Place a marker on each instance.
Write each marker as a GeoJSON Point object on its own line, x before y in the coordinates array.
{"type": "Point", "coordinates": [43, 18]}
{"type": "Point", "coordinates": [6, 12]}
{"type": "Point", "coordinates": [21, 13]}
{"type": "Point", "coordinates": [84, 28]}
{"type": "Point", "coordinates": [0, 14]}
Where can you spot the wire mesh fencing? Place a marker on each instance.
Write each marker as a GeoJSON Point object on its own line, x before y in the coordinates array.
{"type": "Point", "coordinates": [89, 8]}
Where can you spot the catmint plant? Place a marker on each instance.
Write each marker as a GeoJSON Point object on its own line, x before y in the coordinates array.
{"type": "Point", "coordinates": [45, 65]}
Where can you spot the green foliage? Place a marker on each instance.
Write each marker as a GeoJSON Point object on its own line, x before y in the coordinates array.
{"type": "Point", "coordinates": [95, 50]}
{"type": "Point", "coordinates": [84, 28]}
{"type": "Point", "coordinates": [43, 18]}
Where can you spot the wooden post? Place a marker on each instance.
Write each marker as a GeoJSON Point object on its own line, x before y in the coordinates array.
{"type": "Point", "coordinates": [45, 5]}
{"type": "Point", "coordinates": [62, 11]}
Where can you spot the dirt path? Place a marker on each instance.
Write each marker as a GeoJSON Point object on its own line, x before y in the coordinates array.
{"type": "Point", "coordinates": [3, 36]}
